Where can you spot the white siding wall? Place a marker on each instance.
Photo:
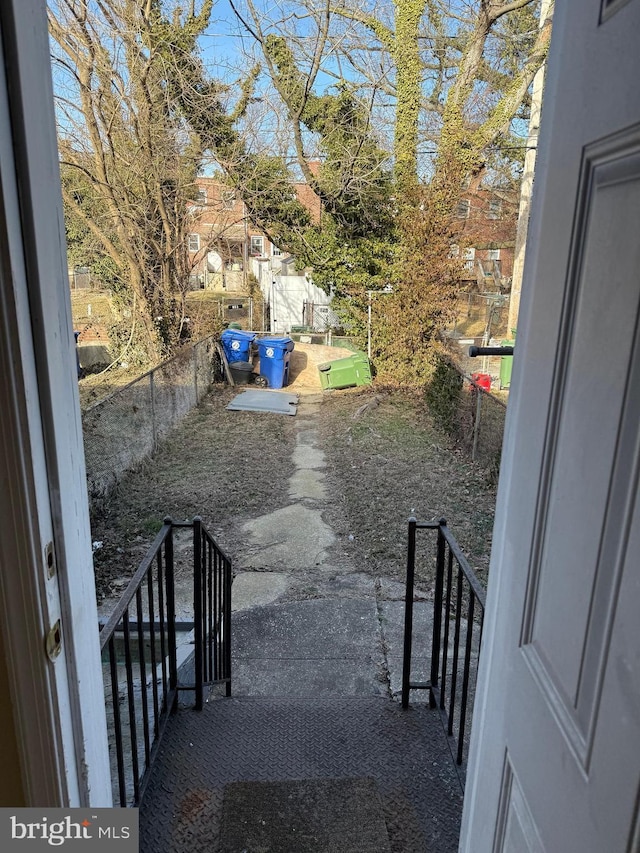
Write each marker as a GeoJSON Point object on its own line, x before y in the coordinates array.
{"type": "Point", "coordinates": [286, 294]}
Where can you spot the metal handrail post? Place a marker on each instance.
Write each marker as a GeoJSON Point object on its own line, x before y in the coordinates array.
{"type": "Point", "coordinates": [197, 610]}
{"type": "Point", "coordinates": [465, 680]}
{"type": "Point", "coordinates": [171, 610]}
{"type": "Point", "coordinates": [437, 610]}
{"type": "Point", "coordinates": [408, 613]}
{"type": "Point", "coordinates": [117, 723]}
{"type": "Point", "coordinates": [227, 625]}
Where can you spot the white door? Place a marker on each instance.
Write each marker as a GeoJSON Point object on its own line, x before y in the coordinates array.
{"type": "Point", "coordinates": [555, 756]}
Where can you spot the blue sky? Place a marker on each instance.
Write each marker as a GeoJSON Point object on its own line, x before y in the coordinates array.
{"type": "Point", "coordinates": [225, 38]}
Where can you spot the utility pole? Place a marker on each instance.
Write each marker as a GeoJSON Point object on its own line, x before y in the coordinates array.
{"type": "Point", "coordinates": [386, 290]}
{"type": "Point", "coordinates": [526, 188]}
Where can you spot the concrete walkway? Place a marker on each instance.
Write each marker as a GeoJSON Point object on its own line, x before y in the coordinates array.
{"type": "Point", "coordinates": [306, 622]}
{"type": "Point", "coordinates": [311, 754]}
{"type": "Point", "coordinates": [345, 639]}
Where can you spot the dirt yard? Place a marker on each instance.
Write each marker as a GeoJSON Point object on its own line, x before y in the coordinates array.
{"type": "Point", "coordinates": [385, 461]}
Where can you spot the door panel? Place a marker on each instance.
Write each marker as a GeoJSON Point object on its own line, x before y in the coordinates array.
{"type": "Point", "coordinates": [555, 758]}
{"type": "Point", "coordinates": [516, 832]}
{"type": "Point", "coordinates": [567, 619]}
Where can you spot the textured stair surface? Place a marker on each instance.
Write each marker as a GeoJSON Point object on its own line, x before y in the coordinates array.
{"type": "Point", "coordinates": [404, 754]}
{"type": "Point", "coordinates": [304, 816]}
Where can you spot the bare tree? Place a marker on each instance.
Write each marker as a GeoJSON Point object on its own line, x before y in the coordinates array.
{"type": "Point", "coordinates": [454, 64]}
{"type": "Point", "coordinates": [465, 137]}
{"type": "Point", "coordinates": [329, 123]}
{"type": "Point", "coordinates": [453, 73]}
{"type": "Point", "coordinates": [132, 100]}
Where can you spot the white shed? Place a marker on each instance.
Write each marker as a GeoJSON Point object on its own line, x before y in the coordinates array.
{"type": "Point", "coordinates": [289, 294]}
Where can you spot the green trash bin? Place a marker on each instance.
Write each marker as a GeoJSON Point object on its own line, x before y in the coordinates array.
{"type": "Point", "coordinates": [345, 372]}
{"type": "Point", "coordinates": [506, 365]}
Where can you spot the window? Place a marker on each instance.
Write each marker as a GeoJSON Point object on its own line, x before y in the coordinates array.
{"type": "Point", "coordinates": [276, 252]}
{"type": "Point", "coordinates": [454, 251]}
{"type": "Point", "coordinates": [257, 246]}
{"type": "Point", "coordinates": [201, 197]}
{"type": "Point", "coordinates": [493, 254]}
{"type": "Point", "coordinates": [495, 209]}
{"type": "Point", "coordinates": [462, 211]}
{"type": "Point", "coordinates": [469, 256]}
{"type": "Point", "coordinates": [228, 199]}
{"type": "Point", "coordinates": [194, 242]}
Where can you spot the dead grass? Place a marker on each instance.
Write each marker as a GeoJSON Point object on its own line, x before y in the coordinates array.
{"type": "Point", "coordinates": [90, 306]}
{"type": "Point", "coordinates": [385, 462]}
{"type": "Point", "coordinates": [391, 463]}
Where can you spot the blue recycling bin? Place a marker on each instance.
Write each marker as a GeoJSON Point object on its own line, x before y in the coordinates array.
{"type": "Point", "coordinates": [237, 344]}
{"type": "Point", "coordinates": [275, 354]}
{"type": "Point", "coordinates": [76, 335]}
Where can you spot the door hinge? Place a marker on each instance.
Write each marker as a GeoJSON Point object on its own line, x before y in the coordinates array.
{"type": "Point", "coordinates": [50, 559]}
{"type": "Point", "coordinates": [53, 642]}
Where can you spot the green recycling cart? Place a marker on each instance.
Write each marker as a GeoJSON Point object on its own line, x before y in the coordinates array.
{"type": "Point", "coordinates": [506, 365]}
{"type": "Point", "coordinates": [345, 372]}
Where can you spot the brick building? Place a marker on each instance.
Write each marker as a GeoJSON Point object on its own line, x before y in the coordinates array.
{"type": "Point", "coordinates": [222, 239]}
{"type": "Point", "coordinates": [486, 218]}
{"type": "Point", "coordinates": [224, 242]}
{"type": "Point", "coordinates": [226, 248]}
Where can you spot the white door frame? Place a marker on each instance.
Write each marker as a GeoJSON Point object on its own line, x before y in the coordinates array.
{"type": "Point", "coordinates": [58, 703]}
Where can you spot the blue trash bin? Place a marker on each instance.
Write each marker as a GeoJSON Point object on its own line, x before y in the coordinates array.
{"type": "Point", "coordinates": [76, 335]}
{"type": "Point", "coordinates": [236, 344]}
{"type": "Point", "coordinates": [274, 361]}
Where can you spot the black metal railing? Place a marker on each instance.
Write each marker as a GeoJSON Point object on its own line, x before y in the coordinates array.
{"type": "Point", "coordinates": [458, 614]}
{"type": "Point", "coordinates": [140, 652]}
{"type": "Point", "coordinates": [212, 608]}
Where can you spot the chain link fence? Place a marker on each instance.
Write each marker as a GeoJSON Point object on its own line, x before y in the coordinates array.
{"type": "Point", "coordinates": [469, 413]}
{"type": "Point", "coordinates": [124, 428]}
{"type": "Point", "coordinates": [487, 364]}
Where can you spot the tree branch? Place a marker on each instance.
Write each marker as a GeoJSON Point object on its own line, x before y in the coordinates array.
{"type": "Point", "coordinates": [383, 33]}
{"type": "Point", "coordinates": [496, 11]}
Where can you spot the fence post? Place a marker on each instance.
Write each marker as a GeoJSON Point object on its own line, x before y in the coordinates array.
{"type": "Point", "coordinates": [197, 609]}
{"type": "Point", "coordinates": [194, 356]}
{"type": "Point", "coordinates": [152, 391]}
{"type": "Point", "coordinates": [476, 423]}
{"type": "Point", "coordinates": [408, 612]}
{"type": "Point", "coordinates": [437, 611]}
